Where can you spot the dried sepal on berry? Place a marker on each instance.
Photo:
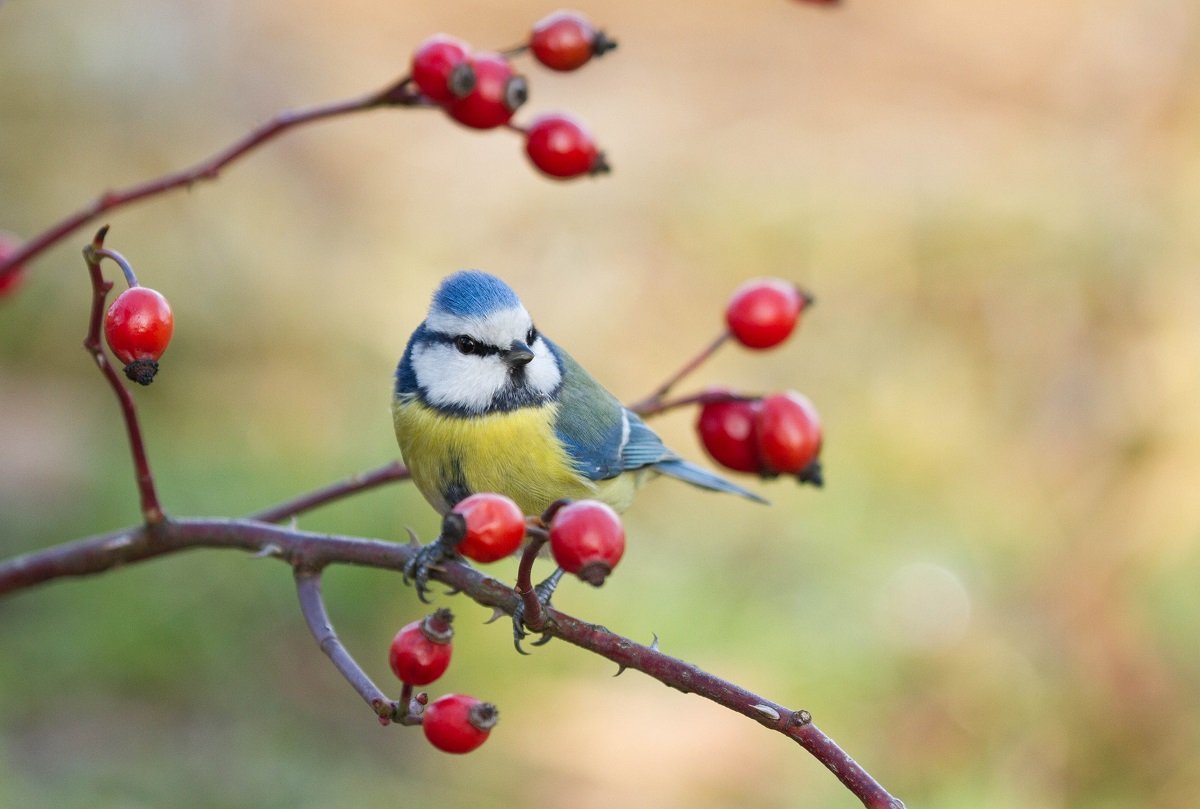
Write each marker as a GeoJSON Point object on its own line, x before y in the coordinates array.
{"type": "Point", "coordinates": [587, 539]}
{"type": "Point", "coordinates": [497, 94]}
{"type": "Point", "coordinates": [457, 723]}
{"type": "Point", "coordinates": [789, 437]}
{"type": "Point", "coordinates": [562, 148]}
{"type": "Point", "coordinates": [420, 652]}
{"type": "Point", "coordinates": [441, 68]}
{"type": "Point", "coordinates": [138, 327]}
{"type": "Point", "coordinates": [566, 40]}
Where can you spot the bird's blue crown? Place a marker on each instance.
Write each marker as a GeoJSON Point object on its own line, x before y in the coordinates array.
{"type": "Point", "coordinates": [471, 293]}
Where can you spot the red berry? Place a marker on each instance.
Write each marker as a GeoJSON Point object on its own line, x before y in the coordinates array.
{"type": "Point", "coordinates": [420, 652]}
{"type": "Point", "coordinates": [138, 327]}
{"type": "Point", "coordinates": [763, 312]}
{"type": "Point", "coordinates": [560, 147]}
{"type": "Point", "coordinates": [495, 526]}
{"type": "Point", "coordinates": [566, 40]}
{"type": "Point", "coordinates": [457, 723]}
{"type": "Point", "coordinates": [789, 433]}
{"type": "Point", "coordinates": [497, 94]}
{"type": "Point", "coordinates": [11, 280]}
{"type": "Point", "coordinates": [728, 431]}
{"type": "Point", "coordinates": [587, 539]}
{"type": "Point", "coordinates": [441, 69]}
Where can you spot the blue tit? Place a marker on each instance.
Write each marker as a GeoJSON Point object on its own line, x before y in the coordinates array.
{"type": "Point", "coordinates": [484, 402]}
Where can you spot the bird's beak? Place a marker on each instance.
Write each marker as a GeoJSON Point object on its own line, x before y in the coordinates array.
{"type": "Point", "coordinates": [517, 355]}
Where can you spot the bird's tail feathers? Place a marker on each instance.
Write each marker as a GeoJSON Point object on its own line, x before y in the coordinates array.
{"type": "Point", "coordinates": [690, 473]}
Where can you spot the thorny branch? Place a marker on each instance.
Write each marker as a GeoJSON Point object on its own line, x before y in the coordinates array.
{"type": "Point", "coordinates": [309, 552]}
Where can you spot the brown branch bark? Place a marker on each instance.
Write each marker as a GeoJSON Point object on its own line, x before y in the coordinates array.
{"type": "Point", "coordinates": [398, 94]}
{"type": "Point", "coordinates": [309, 552]}
{"type": "Point", "coordinates": [312, 605]}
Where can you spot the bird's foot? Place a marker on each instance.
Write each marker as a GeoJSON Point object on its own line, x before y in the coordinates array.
{"type": "Point", "coordinates": [542, 593]}
{"type": "Point", "coordinates": [429, 557]}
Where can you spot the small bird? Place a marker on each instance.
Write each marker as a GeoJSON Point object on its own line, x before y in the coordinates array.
{"type": "Point", "coordinates": [484, 402]}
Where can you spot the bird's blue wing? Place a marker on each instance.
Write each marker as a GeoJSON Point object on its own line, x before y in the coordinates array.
{"type": "Point", "coordinates": [602, 438]}
{"type": "Point", "coordinates": [642, 446]}
{"type": "Point", "coordinates": [605, 439]}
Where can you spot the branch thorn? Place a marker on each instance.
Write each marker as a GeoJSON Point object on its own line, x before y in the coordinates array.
{"type": "Point", "coordinates": [767, 710]}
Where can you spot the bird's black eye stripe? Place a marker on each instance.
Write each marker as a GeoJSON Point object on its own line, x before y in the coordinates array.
{"type": "Point", "coordinates": [532, 335]}
{"type": "Point", "coordinates": [469, 345]}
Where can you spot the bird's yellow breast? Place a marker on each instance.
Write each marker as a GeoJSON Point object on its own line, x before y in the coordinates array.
{"type": "Point", "coordinates": [515, 453]}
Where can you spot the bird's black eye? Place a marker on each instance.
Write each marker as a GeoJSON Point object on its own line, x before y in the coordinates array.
{"type": "Point", "coordinates": [466, 345]}
{"type": "Point", "coordinates": [531, 335]}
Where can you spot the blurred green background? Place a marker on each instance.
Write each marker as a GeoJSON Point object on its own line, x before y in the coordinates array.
{"type": "Point", "coordinates": [992, 604]}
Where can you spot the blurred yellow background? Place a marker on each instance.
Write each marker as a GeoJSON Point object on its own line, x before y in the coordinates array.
{"type": "Point", "coordinates": [992, 603]}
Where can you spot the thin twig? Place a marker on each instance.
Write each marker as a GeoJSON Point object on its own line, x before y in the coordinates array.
{"type": "Point", "coordinates": [398, 94]}
{"type": "Point", "coordinates": [650, 407]}
{"type": "Point", "coordinates": [310, 552]}
{"type": "Point", "coordinates": [151, 510]}
{"type": "Point", "coordinates": [651, 403]}
{"type": "Point", "coordinates": [388, 473]}
{"type": "Point", "coordinates": [308, 587]}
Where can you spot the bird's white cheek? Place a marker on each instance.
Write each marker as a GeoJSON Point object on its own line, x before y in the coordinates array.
{"type": "Point", "coordinates": [453, 379]}
{"type": "Point", "coordinates": [542, 373]}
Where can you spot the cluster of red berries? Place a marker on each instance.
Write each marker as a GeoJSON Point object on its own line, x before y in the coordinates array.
{"type": "Point", "coordinates": [586, 536]}
{"type": "Point", "coordinates": [420, 654]}
{"type": "Point", "coordinates": [482, 91]}
{"type": "Point", "coordinates": [586, 539]}
{"type": "Point", "coordinates": [775, 435]}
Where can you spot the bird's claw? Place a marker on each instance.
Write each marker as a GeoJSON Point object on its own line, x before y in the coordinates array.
{"type": "Point", "coordinates": [442, 549]}
{"type": "Point", "coordinates": [543, 593]}
{"type": "Point", "coordinates": [427, 559]}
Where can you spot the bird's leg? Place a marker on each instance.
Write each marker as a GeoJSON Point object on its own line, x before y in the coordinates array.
{"type": "Point", "coordinates": [428, 557]}
{"type": "Point", "coordinates": [539, 598]}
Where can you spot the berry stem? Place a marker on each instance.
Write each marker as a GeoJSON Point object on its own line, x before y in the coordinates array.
{"type": "Point", "coordinates": [312, 605]}
{"type": "Point", "coordinates": [515, 50]}
{"type": "Point", "coordinates": [152, 511]}
{"type": "Point", "coordinates": [398, 94]}
{"type": "Point", "coordinates": [122, 262]}
{"type": "Point", "coordinates": [534, 616]}
{"type": "Point", "coordinates": [388, 473]}
{"type": "Point", "coordinates": [405, 715]}
{"type": "Point", "coordinates": [653, 403]}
